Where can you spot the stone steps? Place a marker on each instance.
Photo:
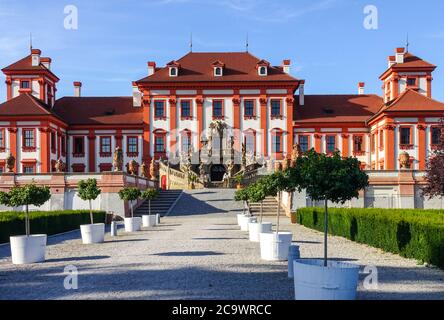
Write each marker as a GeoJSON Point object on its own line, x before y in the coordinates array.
{"type": "Point", "coordinates": [161, 205]}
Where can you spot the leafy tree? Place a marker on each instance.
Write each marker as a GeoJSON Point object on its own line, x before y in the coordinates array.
{"type": "Point", "coordinates": [89, 191]}
{"type": "Point", "coordinates": [241, 195]}
{"type": "Point", "coordinates": [435, 170]}
{"type": "Point", "coordinates": [149, 194]}
{"type": "Point", "coordinates": [329, 178]}
{"type": "Point", "coordinates": [130, 194]}
{"type": "Point", "coordinates": [25, 196]}
{"type": "Point", "coordinates": [256, 193]}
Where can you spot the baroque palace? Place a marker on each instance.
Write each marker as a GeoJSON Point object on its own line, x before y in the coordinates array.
{"type": "Point", "coordinates": [173, 111]}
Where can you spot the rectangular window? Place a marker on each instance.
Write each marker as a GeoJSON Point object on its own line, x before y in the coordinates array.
{"type": "Point", "coordinates": [131, 147]}
{"type": "Point", "coordinates": [63, 145]}
{"type": "Point", "coordinates": [53, 142]}
{"type": "Point", "coordinates": [330, 144]}
{"type": "Point", "coordinates": [276, 108]}
{"type": "Point", "coordinates": [24, 84]}
{"type": "Point", "coordinates": [276, 143]}
{"type": "Point", "coordinates": [405, 136]}
{"type": "Point", "coordinates": [28, 168]}
{"type": "Point", "coordinates": [186, 142]}
{"type": "Point", "coordinates": [105, 146]}
{"type": "Point", "coordinates": [436, 136]}
{"type": "Point", "coordinates": [185, 109]}
{"type": "Point", "coordinates": [373, 142]}
{"type": "Point", "coordinates": [159, 144]}
{"type": "Point", "coordinates": [250, 143]}
{"type": "Point", "coordinates": [159, 109]}
{"type": "Point", "coordinates": [411, 82]}
{"type": "Point", "coordinates": [29, 139]}
{"type": "Point", "coordinates": [218, 109]}
{"type": "Point", "coordinates": [358, 144]}
{"type": "Point", "coordinates": [303, 143]}
{"type": "Point", "coordinates": [2, 140]}
{"type": "Point", "coordinates": [78, 146]}
{"type": "Point", "coordinates": [249, 106]}
{"type": "Point", "coordinates": [381, 139]}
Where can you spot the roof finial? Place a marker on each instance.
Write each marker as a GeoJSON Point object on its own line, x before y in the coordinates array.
{"type": "Point", "coordinates": [30, 41]}
{"type": "Point", "coordinates": [407, 43]}
{"type": "Point", "coordinates": [191, 42]}
{"type": "Point", "coordinates": [246, 43]}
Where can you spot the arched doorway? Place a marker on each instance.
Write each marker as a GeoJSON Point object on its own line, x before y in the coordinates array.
{"type": "Point", "coordinates": [217, 172]}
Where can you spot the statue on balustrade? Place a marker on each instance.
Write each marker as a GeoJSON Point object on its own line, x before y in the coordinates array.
{"type": "Point", "coordinates": [118, 159]}
{"type": "Point", "coordinates": [60, 166]}
{"type": "Point", "coordinates": [10, 163]}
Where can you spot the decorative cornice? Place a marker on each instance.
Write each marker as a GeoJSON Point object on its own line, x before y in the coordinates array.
{"type": "Point", "coordinates": [389, 127]}
{"type": "Point", "coordinates": [421, 127]}
{"type": "Point", "coordinates": [345, 135]}
{"type": "Point", "coordinates": [13, 130]}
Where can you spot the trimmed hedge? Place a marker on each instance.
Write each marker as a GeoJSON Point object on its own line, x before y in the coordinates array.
{"type": "Point", "coordinates": [417, 234]}
{"type": "Point", "coordinates": [45, 222]}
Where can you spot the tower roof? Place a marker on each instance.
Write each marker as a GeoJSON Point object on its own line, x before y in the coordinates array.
{"type": "Point", "coordinates": [25, 65]}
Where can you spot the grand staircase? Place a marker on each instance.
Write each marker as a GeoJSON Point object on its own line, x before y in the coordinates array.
{"type": "Point", "coordinates": [161, 205]}
{"type": "Point", "coordinates": [270, 206]}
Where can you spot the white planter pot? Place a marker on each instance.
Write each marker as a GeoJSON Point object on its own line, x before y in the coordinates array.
{"type": "Point", "coordinates": [239, 218]}
{"type": "Point", "coordinates": [245, 221]}
{"type": "Point", "coordinates": [133, 224]}
{"type": "Point", "coordinates": [274, 247]}
{"type": "Point", "coordinates": [313, 281]}
{"type": "Point", "coordinates": [92, 233]}
{"type": "Point", "coordinates": [256, 228]}
{"type": "Point", "coordinates": [30, 249]}
{"type": "Point", "coordinates": [149, 220]}
{"type": "Point", "coordinates": [157, 218]}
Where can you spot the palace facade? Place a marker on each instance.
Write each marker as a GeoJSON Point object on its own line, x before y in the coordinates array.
{"type": "Point", "coordinates": [172, 108]}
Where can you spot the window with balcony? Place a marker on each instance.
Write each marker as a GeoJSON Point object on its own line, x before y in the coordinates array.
{"type": "Point", "coordinates": [218, 109]}
{"type": "Point", "coordinates": [105, 146]}
{"type": "Point", "coordinates": [132, 147]}
{"type": "Point", "coordinates": [28, 140]}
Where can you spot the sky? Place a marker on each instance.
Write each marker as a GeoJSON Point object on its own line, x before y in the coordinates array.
{"type": "Point", "coordinates": [328, 42]}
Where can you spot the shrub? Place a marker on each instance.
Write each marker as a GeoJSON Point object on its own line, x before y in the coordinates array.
{"type": "Point", "coordinates": [411, 233]}
{"type": "Point", "coordinates": [44, 222]}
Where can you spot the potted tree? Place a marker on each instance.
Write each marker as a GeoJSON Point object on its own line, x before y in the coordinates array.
{"type": "Point", "coordinates": [131, 194]}
{"type": "Point", "coordinates": [91, 233]}
{"type": "Point", "coordinates": [256, 193]}
{"type": "Point", "coordinates": [239, 178]}
{"type": "Point", "coordinates": [328, 178]}
{"type": "Point", "coordinates": [28, 248]}
{"type": "Point", "coordinates": [275, 246]}
{"type": "Point", "coordinates": [149, 220]}
{"type": "Point", "coordinates": [243, 219]}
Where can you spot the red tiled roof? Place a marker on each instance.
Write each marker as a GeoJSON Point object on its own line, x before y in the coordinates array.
{"type": "Point", "coordinates": [197, 66]}
{"type": "Point", "coordinates": [336, 108]}
{"type": "Point", "coordinates": [412, 61]}
{"type": "Point", "coordinates": [98, 110]}
{"type": "Point", "coordinates": [25, 64]}
{"type": "Point", "coordinates": [24, 105]}
{"type": "Point", "coordinates": [412, 100]}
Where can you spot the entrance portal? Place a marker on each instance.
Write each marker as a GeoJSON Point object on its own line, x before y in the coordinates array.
{"type": "Point", "coordinates": [217, 172]}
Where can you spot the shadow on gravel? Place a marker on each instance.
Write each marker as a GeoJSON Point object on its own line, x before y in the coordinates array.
{"type": "Point", "coordinates": [77, 259]}
{"type": "Point", "coordinates": [126, 240]}
{"type": "Point", "coordinates": [189, 254]}
{"type": "Point", "coordinates": [307, 242]}
{"type": "Point", "coordinates": [220, 229]}
{"type": "Point", "coordinates": [219, 238]}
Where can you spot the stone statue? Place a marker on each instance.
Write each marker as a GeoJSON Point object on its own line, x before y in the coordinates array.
{"type": "Point", "coordinates": [10, 163]}
{"type": "Point", "coordinates": [244, 155]}
{"type": "Point", "coordinates": [133, 167]}
{"type": "Point", "coordinates": [295, 154]}
{"type": "Point", "coordinates": [118, 159]}
{"type": "Point", "coordinates": [278, 166]}
{"type": "Point", "coordinates": [60, 166]}
{"type": "Point", "coordinates": [404, 160]}
{"type": "Point", "coordinates": [230, 168]}
{"type": "Point", "coordinates": [153, 170]}
{"type": "Point", "coordinates": [143, 172]}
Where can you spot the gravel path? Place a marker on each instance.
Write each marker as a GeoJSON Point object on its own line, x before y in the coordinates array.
{"type": "Point", "coordinates": [198, 252]}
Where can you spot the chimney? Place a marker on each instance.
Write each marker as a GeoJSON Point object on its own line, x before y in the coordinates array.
{"type": "Point", "coordinates": [151, 68]}
{"type": "Point", "coordinates": [286, 66]}
{"type": "Point", "coordinates": [35, 57]}
{"type": "Point", "coordinates": [361, 87]}
{"type": "Point", "coordinates": [137, 96]}
{"type": "Point", "coordinates": [301, 92]}
{"type": "Point", "coordinates": [77, 89]}
{"type": "Point", "coordinates": [46, 62]}
{"type": "Point", "coordinates": [391, 60]}
{"type": "Point", "coordinates": [400, 55]}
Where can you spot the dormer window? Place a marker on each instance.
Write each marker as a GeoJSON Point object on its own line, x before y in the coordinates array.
{"type": "Point", "coordinates": [24, 84]}
{"type": "Point", "coordinates": [411, 82]}
{"type": "Point", "coordinates": [173, 68]}
{"type": "Point", "coordinates": [218, 68]}
{"type": "Point", "coordinates": [173, 72]}
{"type": "Point", "coordinates": [262, 68]}
{"type": "Point", "coordinates": [262, 71]}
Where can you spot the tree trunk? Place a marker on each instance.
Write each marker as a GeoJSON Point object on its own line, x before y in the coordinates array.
{"type": "Point", "coordinates": [27, 224]}
{"type": "Point", "coordinates": [149, 206]}
{"type": "Point", "coordinates": [279, 212]}
{"type": "Point", "coordinates": [262, 209]}
{"type": "Point", "coordinates": [131, 208]}
{"type": "Point", "coordinates": [325, 232]}
{"type": "Point", "coordinates": [243, 207]}
{"type": "Point", "coordinates": [91, 212]}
